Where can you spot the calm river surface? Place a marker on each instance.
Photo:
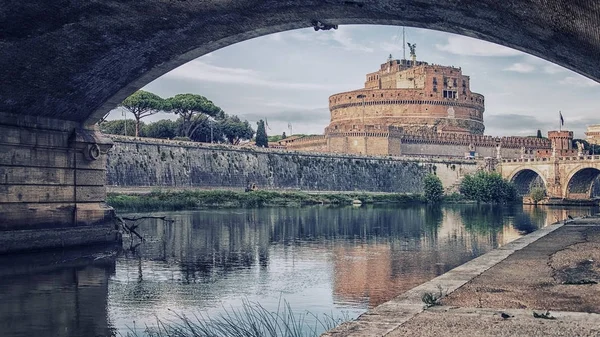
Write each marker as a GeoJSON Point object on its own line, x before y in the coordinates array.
{"type": "Point", "coordinates": [339, 261]}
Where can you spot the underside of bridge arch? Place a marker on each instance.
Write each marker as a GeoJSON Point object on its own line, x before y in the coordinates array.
{"type": "Point", "coordinates": [581, 184]}
{"type": "Point", "coordinates": [65, 64]}
{"type": "Point", "coordinates": [526, 180]}
{"type": "Point", "coordinates": [76, 60]}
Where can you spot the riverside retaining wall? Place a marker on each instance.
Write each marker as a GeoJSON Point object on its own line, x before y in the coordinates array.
{"type": "Point", "coordinates": [177, 164]}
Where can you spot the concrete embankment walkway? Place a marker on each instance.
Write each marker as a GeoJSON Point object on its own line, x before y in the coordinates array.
{"type": "Point", "coordinates": [551, 272]}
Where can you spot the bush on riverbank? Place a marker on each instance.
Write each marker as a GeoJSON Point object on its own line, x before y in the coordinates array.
{"type": "Point", "coordinates": [488, 187]}
{"type": "Point", "coordinates": [173, 201]}
{"type": "Point", "coordinates": [434, 190]}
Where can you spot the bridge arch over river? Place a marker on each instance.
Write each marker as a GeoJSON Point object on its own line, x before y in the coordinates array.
{"type": "Point", "coordinates": [65, 64]}
{"type": "Point", "coordinates": [526, 179]}
{"type": "Point", "coordinates": [570, 178]}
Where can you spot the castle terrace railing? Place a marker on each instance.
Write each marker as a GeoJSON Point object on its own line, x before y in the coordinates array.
{"type": "Point", "coordinates": [407, 102]}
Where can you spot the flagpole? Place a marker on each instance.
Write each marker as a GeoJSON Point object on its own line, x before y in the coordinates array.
{"type": "Point", "coordinates": [559, 121]}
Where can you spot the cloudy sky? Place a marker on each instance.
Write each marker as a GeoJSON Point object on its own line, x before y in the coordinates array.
{"type": "Point", "coordinates": [288, 77]}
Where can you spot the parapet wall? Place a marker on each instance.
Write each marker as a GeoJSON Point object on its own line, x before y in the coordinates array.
{"type": "Point", "coordinates": [162, 163]}
{"type": "Point", "coordinates": [477, 140]}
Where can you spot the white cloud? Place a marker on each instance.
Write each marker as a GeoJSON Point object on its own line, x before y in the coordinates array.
{"type": "Point", "coordinates": [335, 38]}
{"type": "Point", "coordinates": [462, 45]}
{"type": "Point", "coordinates": [520, 68]}
{"type": "Point", "coordinates": [201, 71]}
{"type": "Point", "coordinates": [391, 47]}
{"type": "Point", "coordinates": [275, 37]}
{"type": "Point", "coordinates": [346, 42]}
{"type": "Point", "coordinates": [292, 106]}
{"type": "Point", "coordinates": [554, 69]}
{"type": "Point", "coordinates": [578, 81]}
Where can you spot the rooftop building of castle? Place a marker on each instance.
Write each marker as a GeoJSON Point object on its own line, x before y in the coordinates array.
{"type": "Point", "coordinates": [592, 134]}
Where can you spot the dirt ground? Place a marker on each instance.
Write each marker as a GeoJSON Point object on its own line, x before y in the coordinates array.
{"type": "Point", "coordinates": [561, 271]}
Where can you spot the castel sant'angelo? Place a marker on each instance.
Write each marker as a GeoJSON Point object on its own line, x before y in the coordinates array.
{"type": "Point", "coordinates": [410, 107]}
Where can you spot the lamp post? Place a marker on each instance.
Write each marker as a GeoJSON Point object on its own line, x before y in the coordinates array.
{"type": "Point", "coordinates": [211, 121]}
{"type": "Point", "coordinates": [124, 114]}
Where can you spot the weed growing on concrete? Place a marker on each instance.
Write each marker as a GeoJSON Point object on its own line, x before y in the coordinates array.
{"type": "Point", "coordinates": [431, 299]}
{"type": "Point", "coordinates": [580, 282]}
{"type": "Point", "coordinates": [545, 315]}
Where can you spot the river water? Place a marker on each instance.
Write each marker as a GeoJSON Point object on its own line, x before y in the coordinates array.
{"type": "Point", "coordinates": [339, 261]}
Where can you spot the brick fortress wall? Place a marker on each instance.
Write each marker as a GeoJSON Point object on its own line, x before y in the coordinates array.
{"type": "Point", "coordinates": [421, 98]}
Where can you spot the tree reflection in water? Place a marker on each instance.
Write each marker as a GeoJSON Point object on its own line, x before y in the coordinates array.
{"type": "Point", "coordinates": [321, 259]}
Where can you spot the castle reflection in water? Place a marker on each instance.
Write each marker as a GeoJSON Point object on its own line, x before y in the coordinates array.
{"type": "Point", "coordinates": [320, 259]}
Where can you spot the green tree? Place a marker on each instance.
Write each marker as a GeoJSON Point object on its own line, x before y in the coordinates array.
{"type": "Point", "coordinates": [539, 134]}
{"type": "Point", "coordinates": [200, 129]}
{"type": "Point", "coordinates": [117, 127]}
{"type": "Point", "coordinates": [143, 104]}
{"type": "Point", "coordinates": [588, 148]}
{"type": "Point", "coordinates": [163, 128]}
{"type": "Point", "coordinates": [191, 107]}
{"type": "Point", "coordinates": [433, 188]}
{"type": "Point", "coordinates": [537, 194]}
{"type": "Point", "coordinates": [487, 187]}
{"type": "Point", "coordinates": [262, 139]}
{"type": "Point", "coordinates": [234, 130]}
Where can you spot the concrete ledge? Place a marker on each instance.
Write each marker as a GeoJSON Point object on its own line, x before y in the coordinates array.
{"type": "Point", "coordinates": [27, 240]}
{"type": "Point", "coordinates": [390, 315]}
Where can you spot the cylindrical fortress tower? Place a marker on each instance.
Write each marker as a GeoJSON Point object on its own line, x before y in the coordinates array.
{"type": "Point", "coordinates": [413, 95]}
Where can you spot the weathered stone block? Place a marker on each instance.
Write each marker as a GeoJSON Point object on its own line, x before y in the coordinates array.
{"type": "Point", "coordinates": [35, 215]}
{"type": "Point", "coordinates": [19, 175]}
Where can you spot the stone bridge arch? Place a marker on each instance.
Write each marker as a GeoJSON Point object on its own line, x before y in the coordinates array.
{"type": "Point", "coordinates": [64, 64]}
{"type": "Point", "coordinates": [580, 182]}
{"type": "Point", "coordinates": [527, 178]}
{"type": "Point", "coordinates": [102, 51]}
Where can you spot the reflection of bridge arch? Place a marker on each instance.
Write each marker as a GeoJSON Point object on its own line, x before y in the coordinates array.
{"type": "Point", "coordinates": [527, 178]}
{"type": "Point", "coordinates": [580, 183]}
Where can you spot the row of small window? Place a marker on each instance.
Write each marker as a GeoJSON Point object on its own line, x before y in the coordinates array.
{"type": "Point", "coordinates": [454, 82]}
{"type": "Point", "coordinates": [449, 94]}
{"type": "Point", "coordinates": [345, 113]}
{"type": "Point", "coordinates": [354, 127]}
{"type": "Point", "coordinates": [445, 94]}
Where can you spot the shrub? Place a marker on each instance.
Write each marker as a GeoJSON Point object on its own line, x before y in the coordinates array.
{"type": "Point", "coordinates": [488, 187]}
{"type": "Point", "coordinates": [537, 194]}
{"type": "Point", "coordinates": [433, 188]}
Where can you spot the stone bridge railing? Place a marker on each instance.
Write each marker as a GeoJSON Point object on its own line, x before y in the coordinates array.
{"type": "Point", "coordinates": [549, 159]}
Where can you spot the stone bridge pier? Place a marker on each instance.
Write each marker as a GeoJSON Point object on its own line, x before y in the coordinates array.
{"type": "Point", "coordinates": [52, 192]}
{"type": "Point", "coordinates": [563, 178]}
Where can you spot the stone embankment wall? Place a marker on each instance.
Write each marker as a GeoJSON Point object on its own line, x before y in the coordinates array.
{"type": "Point", "coordinates": [161, 163]}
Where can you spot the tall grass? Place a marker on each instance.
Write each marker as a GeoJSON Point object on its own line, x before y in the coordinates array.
{"type": "Point", "coordinates": [251, 320]}
{"type": "Point", "coordinates": [173, 201]}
